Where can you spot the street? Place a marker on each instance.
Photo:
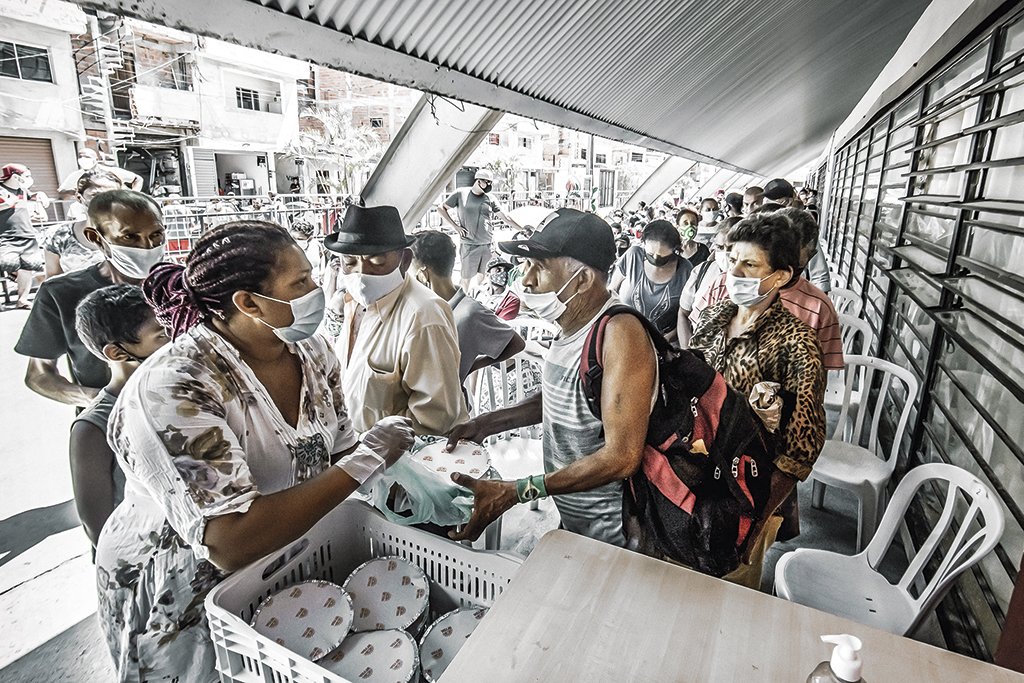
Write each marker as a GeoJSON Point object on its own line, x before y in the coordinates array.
{"type": "Point", "coordinates": [47, 595]}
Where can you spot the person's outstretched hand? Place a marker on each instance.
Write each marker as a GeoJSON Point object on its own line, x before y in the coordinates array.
{"type": "Point", "coordinates": [471, 430]}
{"type": "Point", "coordinates": [490, 500]}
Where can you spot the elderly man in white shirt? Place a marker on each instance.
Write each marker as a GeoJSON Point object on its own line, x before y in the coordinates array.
{"type": "Point", "coordinates": [398, 346]}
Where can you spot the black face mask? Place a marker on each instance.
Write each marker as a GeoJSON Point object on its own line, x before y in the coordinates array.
{"type": "Point", "coordinates": [658, 261]}
{"type": "Point", "coordinates": [486, 187]}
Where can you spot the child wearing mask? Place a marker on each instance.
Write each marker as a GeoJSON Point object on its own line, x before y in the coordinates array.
{"type": "Point", "coordinates": [117, 325]}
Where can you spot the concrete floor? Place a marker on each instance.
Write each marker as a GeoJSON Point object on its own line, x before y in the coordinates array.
{"type": "Point", "coordinates": [47, 594]}
{"type": "Point", "coordinates": [47, 597]}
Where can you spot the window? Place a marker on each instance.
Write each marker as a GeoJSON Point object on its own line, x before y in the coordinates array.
{"type": "Point", "coordinates": [600, 158]}
{"type": "Point", "coordinates": [637, 157]}
{"type": "Point", "coordinates": [493, 139]}
{"type": "Point", "coordinates": [247, 99]}
{"type": "Point", "coordinates": [24, 62]}
{"type": "Point", "coordinates": [376, 122]}
{"type": "Point", "coordinates": [526, 143]}
{"type": "Point", "coordinates": [583, 153]}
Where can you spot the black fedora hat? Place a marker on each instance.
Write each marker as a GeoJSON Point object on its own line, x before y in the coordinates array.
{"type": "Point", "coordinates": [367, 231]}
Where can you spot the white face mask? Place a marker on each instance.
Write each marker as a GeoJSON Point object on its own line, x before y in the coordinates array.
{"type": "Point", "coordinates": [722, 259]}
{"type": "Point", "coordinates": [307, 312]}
{"type": "Point", "coordinates": [707, 216]}
{"type": "Point", "coordinates": [746, 291]}
{"type": "Point", "coordinates": [367, 289]}
{"type": "Point", "coordinates": [133, 262]}
{"type": "Point", "coordinates": [547, 305]}
{"type": "Point", "coordinates": [86, 163]}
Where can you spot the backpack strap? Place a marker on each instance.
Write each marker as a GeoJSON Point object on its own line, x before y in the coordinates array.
{"type": "Point", "coordinates": [591, 368]}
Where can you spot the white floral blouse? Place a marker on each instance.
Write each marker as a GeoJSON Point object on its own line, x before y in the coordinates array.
{"type": "Point", "coordinates": [198, 436]}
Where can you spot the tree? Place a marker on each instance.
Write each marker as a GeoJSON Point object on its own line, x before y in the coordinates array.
{"type": "Point", "coordinates": [330, 141]}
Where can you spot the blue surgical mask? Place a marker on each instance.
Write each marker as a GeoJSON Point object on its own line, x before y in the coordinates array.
{"type": "Point", "coordinates": [307, 312]}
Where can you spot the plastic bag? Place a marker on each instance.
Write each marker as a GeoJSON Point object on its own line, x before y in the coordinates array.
{"type": "Point", "coordinates": [767, 404]}
{"type": "Point", "coordinates": [431, 496]}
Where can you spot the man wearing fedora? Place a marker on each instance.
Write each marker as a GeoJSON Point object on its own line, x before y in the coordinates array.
{"type": "Point", "coordinates": [475, 207]}
{"type": "Point", "coordinates": [586, 458]}
{"type": "Point", "coordinates": [398, 345]}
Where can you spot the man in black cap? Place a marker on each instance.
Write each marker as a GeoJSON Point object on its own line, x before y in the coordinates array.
{"type": "Point", "coordinates": [398, 345]}
{"type": "Point", "coordinates": [780, 191]}
{"type": "Point", "coordinates": [586, 459]}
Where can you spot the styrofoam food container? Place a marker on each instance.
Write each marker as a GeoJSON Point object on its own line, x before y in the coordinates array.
{"type": "Point", "coordinates": [445, 637]}
{"type": "Point", "coordinates": [387, 593]}
{"type": "Point", "coordinates": [467, 458]}
{"type": "Point", "coordinates": [389, 656]}
{"type": "Point", "coordinates": [310, 618]}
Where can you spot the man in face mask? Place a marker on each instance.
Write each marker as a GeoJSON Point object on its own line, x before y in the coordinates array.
{"type": "Point", "coordinates": [398, 345]}
{"type": "Point", "coordinates": [127, 228]}
{"type": "Point", "coordinates": [585, 458]}
{"type": "Point", "coordinates": [88, 160]}
{"type": "Point", "coordinates": [475, 207]}
{"type": "Point", "coordinates": [483, 338]}
{"type": "Point", "coordinates": [495, 293]}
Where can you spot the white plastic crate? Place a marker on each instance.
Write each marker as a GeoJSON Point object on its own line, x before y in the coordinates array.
{"type": "Point", "coordinates": [348, 536]}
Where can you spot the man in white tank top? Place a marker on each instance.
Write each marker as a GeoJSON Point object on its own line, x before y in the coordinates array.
{"type": "Point", "coordinates": [585, 459]}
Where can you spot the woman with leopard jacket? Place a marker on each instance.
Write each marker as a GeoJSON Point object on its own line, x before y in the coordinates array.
{"type": "Point", "coordinates": [751, 339]}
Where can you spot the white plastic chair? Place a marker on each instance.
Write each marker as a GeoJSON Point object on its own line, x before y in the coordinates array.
{"type": "Point", "coordinates": [843, 461]}
{"type": "Point", "coordinates": [847, 301]}
{"type": "Point", "coordinates": [852, 587]}
{"type": "Point", "coordinates": [857, 337]}
{"type": "Point", "coordinates": [518, 451]}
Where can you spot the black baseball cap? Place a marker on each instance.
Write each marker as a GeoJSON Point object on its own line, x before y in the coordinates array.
{"type": "Point", "coordinates": [778, 188]}
{"type": "Point", "coordinates": [568, 232]}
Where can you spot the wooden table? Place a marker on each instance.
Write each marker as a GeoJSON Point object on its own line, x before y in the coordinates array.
{"type": "Point", "coordinates": [581, 610]}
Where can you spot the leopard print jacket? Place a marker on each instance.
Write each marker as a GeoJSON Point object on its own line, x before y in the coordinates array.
{"type": "Point", "coordinates": [778, 347]}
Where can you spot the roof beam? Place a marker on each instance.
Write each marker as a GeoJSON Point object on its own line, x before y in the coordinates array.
{"type": "Point", "coordinates": [659, 181]}
{"type": "Point", "coordinates": [433, 142]}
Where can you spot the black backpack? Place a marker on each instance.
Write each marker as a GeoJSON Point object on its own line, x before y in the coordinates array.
{"type": "Point", "coordinates": [706, 471]}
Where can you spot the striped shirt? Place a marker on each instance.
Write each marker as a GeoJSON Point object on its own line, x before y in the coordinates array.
{"type": "Point", "coordinates": [572, 432]}
{"type": "Point", "coordinates": [806, 302]}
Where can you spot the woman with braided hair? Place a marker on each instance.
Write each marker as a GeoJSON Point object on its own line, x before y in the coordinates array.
{"type": "Point", "coordinates": [227, 437]}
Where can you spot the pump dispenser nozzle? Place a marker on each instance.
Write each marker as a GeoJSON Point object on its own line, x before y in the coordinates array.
{"type": "Point", "coordinates": [845, 663]}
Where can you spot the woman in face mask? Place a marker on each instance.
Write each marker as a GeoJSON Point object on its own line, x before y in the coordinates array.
{"type": "Point", "coordinates": [235, 439]}
{"type": "Point", "coordinates": [767, 353]}
{"type": "Point", "coordinates": [693, 251]}
{"type": "Point", "coordinates": [703, 277]}
{"type": "Point", "coordinates": [651, 275]}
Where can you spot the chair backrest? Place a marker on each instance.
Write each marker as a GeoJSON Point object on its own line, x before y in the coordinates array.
{"type": "Point", "coordinates": [534, 329]}
{"type": "Point", "coordinates": [856, 425]}
{"type": "Point", "coordinates": [970, 542]}
{"type": "Point", "coordinates": [846, 301]}
{"type": "Point", "coordinates": [855, 329]}
{"type": "Point", "coordinates": [506, 384]}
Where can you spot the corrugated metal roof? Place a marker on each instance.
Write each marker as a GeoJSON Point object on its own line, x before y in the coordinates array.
{"type": "Point", "coordinates": [757, 85]}
{"type": "Point", "coordinates": [749, 85]}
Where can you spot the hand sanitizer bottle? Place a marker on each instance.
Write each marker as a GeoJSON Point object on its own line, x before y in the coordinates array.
{"type": "Point", "coordinates": [845, 664]}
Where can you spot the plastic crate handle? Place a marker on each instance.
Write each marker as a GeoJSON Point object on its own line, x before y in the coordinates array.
{"type": "Point", "coordinates": [281, 561]}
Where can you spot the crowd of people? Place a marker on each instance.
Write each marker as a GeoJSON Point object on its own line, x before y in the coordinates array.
{"type": "Point", "coordinates": [227, 403]}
